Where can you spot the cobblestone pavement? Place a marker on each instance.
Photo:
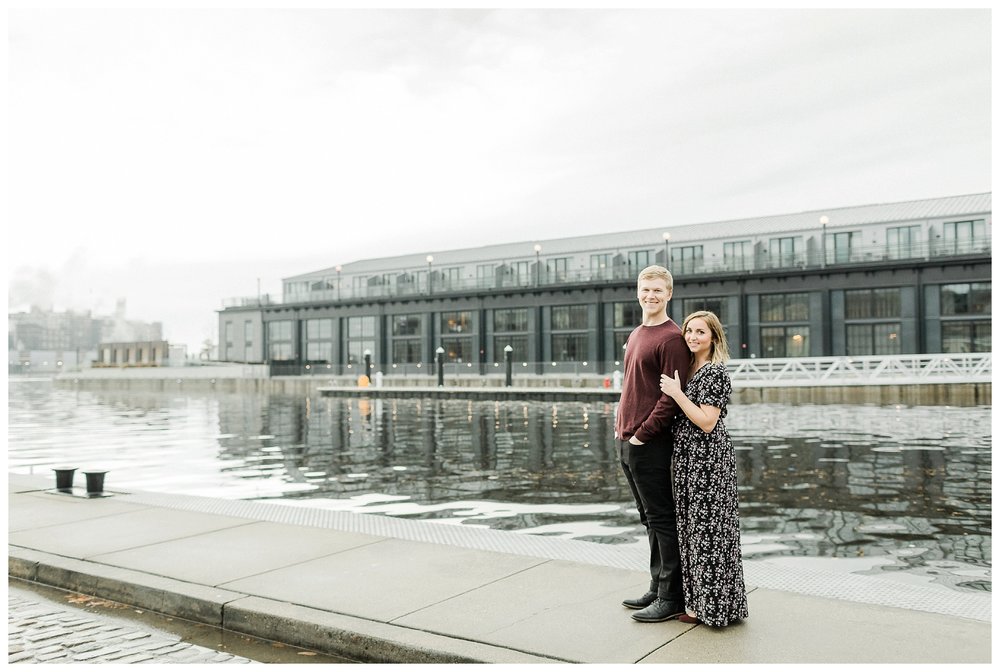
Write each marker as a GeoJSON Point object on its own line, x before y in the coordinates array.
{"type": "Point", "coordinates": [49, 625]}
{"type": "Point", "coordinates": [43, 632]}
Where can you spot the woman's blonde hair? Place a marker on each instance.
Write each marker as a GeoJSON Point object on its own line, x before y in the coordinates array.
{"type": "Point", "coordinates": [720, 348]}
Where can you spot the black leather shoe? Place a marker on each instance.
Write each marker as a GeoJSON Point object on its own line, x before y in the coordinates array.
{"type": "Point", "coordinates": [659, 610]}
{"type": "Point", "coordinates": [640, 602]}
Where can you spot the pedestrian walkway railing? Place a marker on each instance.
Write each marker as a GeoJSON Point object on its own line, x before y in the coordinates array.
{"type": "Point", "coordinates": [974, 367]}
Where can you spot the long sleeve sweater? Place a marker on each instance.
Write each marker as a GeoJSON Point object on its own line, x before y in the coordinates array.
{"type": "Point", "coordinates": [644, 411]}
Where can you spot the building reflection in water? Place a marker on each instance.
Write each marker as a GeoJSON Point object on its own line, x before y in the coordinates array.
{"type": "Point", "coordinates": [843, 481]}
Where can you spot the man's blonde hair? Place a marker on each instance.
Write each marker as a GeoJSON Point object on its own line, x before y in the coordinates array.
{"type": "Point", "coordinates": [656, 273]}
{"type": "Point", "coordinates": [720, 348]}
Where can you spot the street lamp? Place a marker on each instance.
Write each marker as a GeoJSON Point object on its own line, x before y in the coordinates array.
{"type": "Point", "coordinates": [430, 260]}
{"type": "Point", "coordinates": [508, 355]}
{"type": "Point", "coordinates": [339, 269]}
{"type": "Point", "coordinates": [440, 362]}
{"type": "Point", "coordinates": [666, 249]}
{"type": "Point", "coordinates": [823, 221]}
{"type": "Point", "coordinates": [538, 264]}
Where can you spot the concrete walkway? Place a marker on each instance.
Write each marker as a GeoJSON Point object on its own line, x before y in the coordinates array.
{"type": "Point", "coordinates": [383, 590]}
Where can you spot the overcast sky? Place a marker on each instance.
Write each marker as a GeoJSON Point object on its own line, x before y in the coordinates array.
{"type": "Point", "coordinates": [173, 157]}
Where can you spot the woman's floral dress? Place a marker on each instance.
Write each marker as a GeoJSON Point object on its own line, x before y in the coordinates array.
{"type": "Point", "coordinates": [708, 526]}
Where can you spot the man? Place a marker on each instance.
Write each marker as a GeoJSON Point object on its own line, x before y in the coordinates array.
{"type": "Point", "coordinates": [645, 443]}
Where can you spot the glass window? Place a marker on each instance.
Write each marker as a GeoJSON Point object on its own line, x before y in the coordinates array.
{"type": "Point", "coordinates": [521, 270]}
{"type": "Point", "coordinates": [319, 351]}
{"type": "Point", "coordinates": [452, 277]}
{"type": "Point", "coordinates": [963, 236]}
{"type": "Point", "coordinates": [966, 299]}
{"type": "Point", "coordinates": [569, 317]}
{"type": "Point", "coordinates": [682, 308]}
{"type": "Point", "coordinates": [782, 251]}
{"type": "Point", "coordinates": [319, 346]}
{"type": "Point", "coordinates": [360, 337]}
{"type": "Point", "coordinates": [638, 260]}
{"type": "Point", "coordinates": [486, 275]}
{"type": "Point", "coordinates": [785, 341]}
{"type": "Point", "coordinates": [873, 339]}
{"type": "Point", "coordinates": [279, 331]}
{"type": "Point", "coordinates": [600, 265]}
{"type": "Point", "coordinates": [557, 270]}
{"type": "Point", "coordinates": [361, 327]}
{"type": "Point", "coordinates": [784, 307]}
{"type": "Point", "coordinates": [627, 315]}
{"type": "Point", "coordinates": [248, 336]}
{"type": "Point", "coordinates": [686, 259]}
{"type": "Point", "coordinates": [319, 329]}
{"type": "Point", "coordinates": [517, 342]}
{"type": "Point", "coordinates": [406, 351]}
{"type": "Point", "coordinates": [229, 336]}
{"type": "Point", "coordinates": [902, 242]}
{"type": "Point", "coordinates": [737, 255]}
{"type": "Point", "coordinates": [861, 304]}
{"type": "Point", "coordinates": [842, 245]}
{"type": "Point", "coordinates": [966, 336]}
{"type": "Point", "coordinates": [456, 323]}
{"type": "Point", "coordinates": [458, 349]}
{"type": "Point", "coordinates": [569, 347]}
{"type": "Point", "coordinates": [406, 325]}
{"type": "Point", "coordinates": [510, 319]}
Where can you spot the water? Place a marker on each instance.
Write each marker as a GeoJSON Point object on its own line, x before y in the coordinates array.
{"type": "Point", "coordinates": [902, 490]}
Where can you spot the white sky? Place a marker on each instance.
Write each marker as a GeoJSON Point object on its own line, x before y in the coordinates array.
{"type": "Point", "coordinates": [173, 157]}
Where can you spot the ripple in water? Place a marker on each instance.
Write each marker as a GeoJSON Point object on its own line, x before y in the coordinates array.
{"type": "Point", "coordinates": [900, 491]}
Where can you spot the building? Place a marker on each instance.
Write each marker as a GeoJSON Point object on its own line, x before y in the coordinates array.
{"type": "Point", "coordinates": [134, 353]}
{"type": "Point", "coordinates": [48, 341]}
{"type": "Point", "coordinates": [897, 278]}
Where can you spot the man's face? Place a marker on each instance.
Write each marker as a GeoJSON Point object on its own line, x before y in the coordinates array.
{"type": "Point", "coordinates": [653, 296]}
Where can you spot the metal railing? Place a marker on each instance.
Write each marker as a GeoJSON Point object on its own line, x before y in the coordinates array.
{"type": "Point", "coordinates": [773, 372]}
{"type": "Point", "coordinates": [875, 370]}
{"type": "Point", "coordinates": [405, 283]}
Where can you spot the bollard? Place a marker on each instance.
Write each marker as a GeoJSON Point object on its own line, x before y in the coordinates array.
{"type": "Point", "coordinates": [64, 478]}
{"type": "Point", "coordinates": [95, 482]}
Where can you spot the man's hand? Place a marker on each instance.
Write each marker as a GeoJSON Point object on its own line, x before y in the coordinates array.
{"type": "Point", "coordinates": [634, 441]}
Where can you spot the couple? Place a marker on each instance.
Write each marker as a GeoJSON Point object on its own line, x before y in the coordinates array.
{"type": "Point", "coordinates": [679, 461]}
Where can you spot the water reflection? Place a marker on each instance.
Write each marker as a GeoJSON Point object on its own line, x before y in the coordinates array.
{"type": "Point", "coordinates": [902, 489]}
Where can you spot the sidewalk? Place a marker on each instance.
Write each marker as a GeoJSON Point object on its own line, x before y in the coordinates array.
{"type": "Point", "coordinates": [387, 590]}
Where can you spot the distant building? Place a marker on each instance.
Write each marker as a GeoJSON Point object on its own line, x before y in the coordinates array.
{"type": "Point", "coordinates": [897, 278]}
{"type": "Point", "coordinates": [44, 341]}
{"type": "Point", "coordinates": [136, 353]}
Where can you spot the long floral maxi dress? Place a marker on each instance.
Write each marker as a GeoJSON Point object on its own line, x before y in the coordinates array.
{"type": "Point", "coordinates": [708, 526]}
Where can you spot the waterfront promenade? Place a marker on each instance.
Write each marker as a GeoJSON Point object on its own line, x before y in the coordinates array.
{"type": "Point", "coordinates": [377, 589]}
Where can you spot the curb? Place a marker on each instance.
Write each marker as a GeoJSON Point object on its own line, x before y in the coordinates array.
{"type": "Point", "coordinates": [336, 634]}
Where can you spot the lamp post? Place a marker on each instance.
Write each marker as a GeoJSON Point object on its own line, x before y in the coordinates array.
{"type": "Point", "coordinates": [508, 358]}
{"type": "Point", "coordinates": [440, 362]}
{"type": "Point", "coordinates": [666, 249]}
{"type": "Point", "coordinates": [823, 221]}
{"type": "Point", "coordinates": [538, 264]}
{"type": "Point", "coordinates": [339, 269]}
{"type": "Point", "coordinates": [430, 260]}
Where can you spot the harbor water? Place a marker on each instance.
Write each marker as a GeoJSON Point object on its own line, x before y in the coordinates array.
{"type": "Point", "coordinates": [898, 489]}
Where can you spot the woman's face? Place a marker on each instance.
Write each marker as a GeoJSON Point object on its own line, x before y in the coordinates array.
{"type": "Point", "coordinates": [698, 336]}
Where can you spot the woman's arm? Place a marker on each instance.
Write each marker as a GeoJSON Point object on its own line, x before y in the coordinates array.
{"type": "Point", "coordinates": [704, 416]}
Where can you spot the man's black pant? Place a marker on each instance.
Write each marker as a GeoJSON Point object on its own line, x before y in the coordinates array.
{"type": "Point", "coordinates": [647, 470]}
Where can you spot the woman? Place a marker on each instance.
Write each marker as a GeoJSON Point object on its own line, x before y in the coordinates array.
{"type": "Point", "coordinates": [708, 525]}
